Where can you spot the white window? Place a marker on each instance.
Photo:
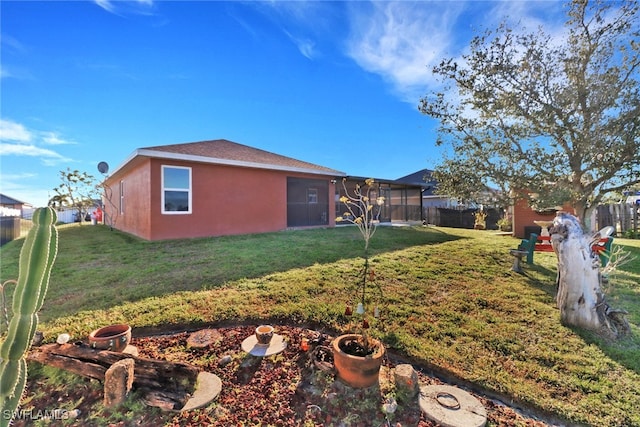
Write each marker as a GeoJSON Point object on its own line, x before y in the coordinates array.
{"type": "Point", "coordinates": [312, 196]}
{"type": "Point", "coordinates": [121, 197]}
{"type": "Point", "coordinates": [176, 190]}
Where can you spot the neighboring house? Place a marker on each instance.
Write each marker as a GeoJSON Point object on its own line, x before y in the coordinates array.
{"type": "Point", "coordinates": [402, 201]}
{"type": "Point", "coordinates": [13, 207]}
{"type": "Point", "coordinates": [524, 217]}
{"type": "Point", "coordinates": [214, 188]}
{"type": "Point", "coordinates": [633, 198]}
{"type": "Point", "coordinates": [446, 211]}
{"type": "Point", "coordinates": [424, 179]}
{"type": "Point", "coordinates": [11, 212]}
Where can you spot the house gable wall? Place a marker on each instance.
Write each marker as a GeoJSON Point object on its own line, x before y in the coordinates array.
{"type": "Point", "coordinates": [135, 218]}
{"type": "Point", "coordinates": [225, 200]}
{"type": "Point", "coordinates": [524, 216]}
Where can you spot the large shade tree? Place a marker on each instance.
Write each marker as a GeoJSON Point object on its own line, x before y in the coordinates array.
{"type": "Point", "coordinates": [77, 190]}
{"type": "Point", "coordinates": [541, 118]}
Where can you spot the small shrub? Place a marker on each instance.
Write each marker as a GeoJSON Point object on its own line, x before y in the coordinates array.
{"type": "Point", "coordinates": [504, 224]}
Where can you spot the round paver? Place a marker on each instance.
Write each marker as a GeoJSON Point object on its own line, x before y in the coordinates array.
{"type": "Point", "coordinates": [208, 387]}
{"type": "Point", "coordinates": [451, 407]}
{"type": "Point", "coordinates": [275, 346]}
{"type": "Point", "coordinates": [203, 338]}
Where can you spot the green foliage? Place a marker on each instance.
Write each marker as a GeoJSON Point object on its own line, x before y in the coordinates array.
{"type": "Point", "coordinates": [362, 209]}
{"type": "Point", "coordinates": [56, 376]}
{"type": "Point", "coordinates": [632, 234]}
{"type": "Point", "coordinates": [127, 413]}
{"type": "Point", "coordinates": [551, 120]}
{"type": "Point", "coordinates": [76, 190]}
{"type": "Point", "coordinates": [36, 261]}
{"type": "Point", "coordinates": [504, 224]}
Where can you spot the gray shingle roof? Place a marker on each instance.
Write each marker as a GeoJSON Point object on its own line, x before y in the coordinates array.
{"type": "Point", "coordinates": [423, 178]}
{"type": "Point", "coordinates": [228, 152]}
{"type": "Point", "coordinates": [6, 200]}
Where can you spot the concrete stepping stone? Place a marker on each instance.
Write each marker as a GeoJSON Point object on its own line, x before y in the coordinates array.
{"type": "Point", "coordinates": [208, 387]}
{"type": "Point", "coordinates": [451, 407]}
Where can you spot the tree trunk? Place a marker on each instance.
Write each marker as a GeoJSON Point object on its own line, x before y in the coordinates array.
{"type": "Point", "coordinates": [580, 297]}
{"type": "Point", "coordinates": [583, 212]}
{"type": "Point", "coordinates": [588, 224]}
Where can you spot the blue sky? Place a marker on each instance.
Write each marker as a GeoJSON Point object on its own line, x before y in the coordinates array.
{"type": "Point", "coordinates": [333, 83]}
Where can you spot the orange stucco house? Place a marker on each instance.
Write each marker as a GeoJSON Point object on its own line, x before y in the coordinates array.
{"type": "Point", "coordinates": [215, 188]}
{"type": "Point", "coordinates": [524, 217]}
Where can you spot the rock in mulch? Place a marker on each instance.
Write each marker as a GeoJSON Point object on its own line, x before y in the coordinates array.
{"type": "Point", "coordinates": [204, 338]}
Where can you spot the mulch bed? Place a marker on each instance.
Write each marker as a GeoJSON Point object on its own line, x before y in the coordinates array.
{"type": "Point", "coordinates": [291, 388]}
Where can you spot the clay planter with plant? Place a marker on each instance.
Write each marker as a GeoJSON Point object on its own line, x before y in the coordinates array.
{"type": "Point", "coordinates": [357, 357]}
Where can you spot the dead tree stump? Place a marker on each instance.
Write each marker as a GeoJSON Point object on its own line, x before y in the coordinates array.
{"type": "Point", "coordinates": [580, 297]}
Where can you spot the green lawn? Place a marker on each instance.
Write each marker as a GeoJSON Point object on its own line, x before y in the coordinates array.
{"type": "Point", "coordinates": [452, 302]}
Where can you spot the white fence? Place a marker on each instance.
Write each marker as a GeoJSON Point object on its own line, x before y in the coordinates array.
{"type": "Point", "coordinates": [621, 216]}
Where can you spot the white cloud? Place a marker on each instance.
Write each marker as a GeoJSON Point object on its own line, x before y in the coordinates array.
{"type": "Point", "coordinates": [12, 44]}
{"type": "Point", "coordinates": [133, 6]}
{"type": "Point", "coordinates": [29, 150]}
{"type": "Point", "coordinates": [305, 23]}
{"type": "Point", "coordinates": [12, 131]}
{"type": "Point", "coordinates": [53, 138]}
{"type": "Point", "coordinates": [106, 5]}
{"type": "Point", "coordinates": [15, 72]}
{"type": "Point", "coordinates": [305, 46]}
{"type": "Point", "coordinates": [17, 140]}
{"type": "Point", "coordinates": [4, 72]}
{"type": "Point", "coordinates": [402, 41]}
{"type": "Point", "coordinates": [528, 15]}
{"type": "Point", "coordinates": [18, 186]}
{"type": "Point", "coordinates": [18, 176]}
{"type": "Point", "coordinates": [15, 183]}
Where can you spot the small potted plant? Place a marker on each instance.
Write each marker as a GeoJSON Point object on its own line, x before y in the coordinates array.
{"type": "Point", "coordinates": [358, 356]}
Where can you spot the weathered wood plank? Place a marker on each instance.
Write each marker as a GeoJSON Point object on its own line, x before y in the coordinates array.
{"type": "Point", "coordinates": [176, 382]}
{"type": "Point", "coordinates": [79, 367]}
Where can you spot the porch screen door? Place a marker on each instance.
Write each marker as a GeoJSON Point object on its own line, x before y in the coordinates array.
{"type": "Point", "coordinates": [307, 202]}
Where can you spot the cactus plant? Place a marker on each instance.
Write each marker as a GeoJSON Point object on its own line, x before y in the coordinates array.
{"type": "Point", "coordinates": [36, 260]}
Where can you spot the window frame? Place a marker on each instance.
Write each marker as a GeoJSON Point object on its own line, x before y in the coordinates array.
{"type": "Point", "coordinates": [122, 200]}
{"type": "Point", "coordinates": [164, 189]}
{"type": "Point", "coordinates": [312, 196]}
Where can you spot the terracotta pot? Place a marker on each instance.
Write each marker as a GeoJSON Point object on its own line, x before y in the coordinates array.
{"type": "Point", "coordinates": [264, 333]}
{"type": "Point", "coordinates": [356, 371]}
{"type": "Point", "coordinates": [112, 338]}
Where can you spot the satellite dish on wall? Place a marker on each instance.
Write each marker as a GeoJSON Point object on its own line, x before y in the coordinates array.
{"type": "Point", "coordinates": [103, 167]}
